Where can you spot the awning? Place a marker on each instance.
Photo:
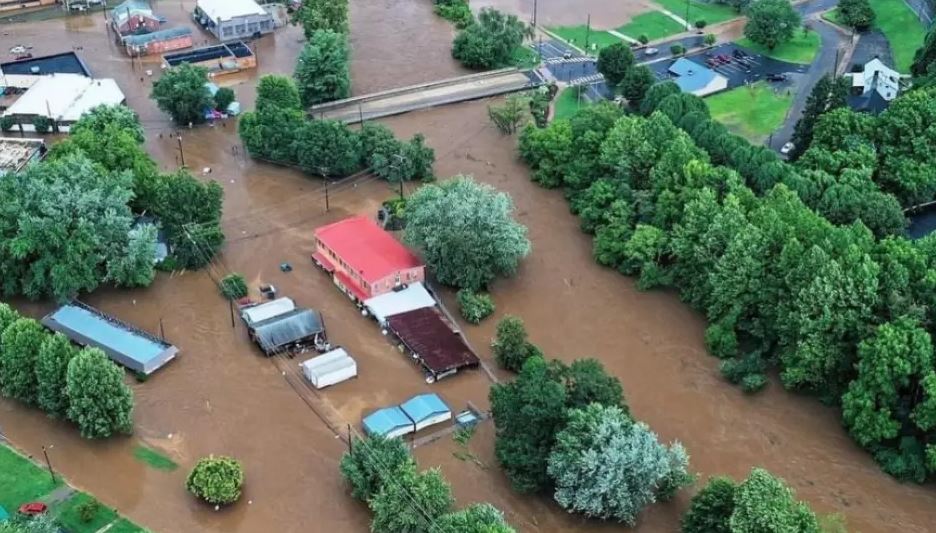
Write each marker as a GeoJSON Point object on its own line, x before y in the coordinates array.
{"type": "Point", "coordinates": [350, 285]}
{"type": "Point", "coordinates": [322, 262]}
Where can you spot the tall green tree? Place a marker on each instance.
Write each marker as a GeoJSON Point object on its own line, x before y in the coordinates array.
{"type": "Point", "coordinates": [636, 83]}
{"type": "Point", "coordinates": [98, 399]}
{"type": "Point", "coordinates": [711, 508]}
{"type": "Point", "coordinates": [465, 232]}
{"type": "Point", "coordinates": [328, 148]}
{"type": "Point", "coordinates": [216, 480]}
{"type": "Point", "coordinates": [182, 94]}
{"type": "Point", "coordinates": [413, 501]}
{"type": "Point", "coordinates": [905, 144]}
{"type": "Point", "coordinates": [55, 352]}
{"type": "Point", "coordinates": [134, 266]}
{"type": "Point", "coordinates": [856, 14]}
{"type": "Point", "coordinates": [99, 118]}
{"type": "Point", "coordinates": [476, 518]}
{"type": "Point", "coordinates": [615, 62]}
{"type": "Point", "coordinates": [771, 22]}
{"type": "Point", "coordinates": [19, 349]}
{"type": "Point", "coordinates": [277, 92]}
{"type": "Point", "coordinates": [491, 41]}
{"type": "Point", "coordinates": [510, 345]}
{"type": "Point", "coordinates": [316, 15]}
{"type": "Point", "coordinates": [829, 93]}
{"type": "Point", "coordinates": [373, 461]}
{"type": "Point", "coordinates": [764, 503]}
{"type": "Point", "coordinates": [322, 71]}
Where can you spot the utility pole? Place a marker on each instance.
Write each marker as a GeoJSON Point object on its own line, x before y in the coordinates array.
{"type": "Point", "coordinates": [350, 440]}
{"type": "Point", "coordinates": [535, 2]}
{"type": "Point", "coordinates": [181, 152]}
{"type": "Point", "coordinates": [324, 172]}
{"type": "Point", "coordinates": [231, 302]}
{"type": "Point", "coordinates": [360, 111]}
{"type": "Point", "coordinates": [401, 159]}
{"type": "Point", "coordinates": [587, 33]}
{"type": "Point", "coordinates": [688, 24]}
{"type": "Point", "coordinates": [48, 462]}
{"type": "Point", "coordinates": [162, 331]}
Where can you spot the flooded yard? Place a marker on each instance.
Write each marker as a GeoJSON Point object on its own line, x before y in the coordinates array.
{"type": "Point", "coordinates": [222, 396]}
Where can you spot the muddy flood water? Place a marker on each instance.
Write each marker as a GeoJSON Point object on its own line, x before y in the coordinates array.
{"type": "Point", "coordinates": [220, 396]}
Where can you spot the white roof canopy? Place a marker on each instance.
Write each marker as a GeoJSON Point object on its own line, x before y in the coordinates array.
{"type": "Point", "coordinates": [261, 312]}
{"type": "Point", "coordinates": [65, 97]}
{"type": "Point", "coordinates": [393, 303]}
{"type": "Point", "coordinates": [228, 9]}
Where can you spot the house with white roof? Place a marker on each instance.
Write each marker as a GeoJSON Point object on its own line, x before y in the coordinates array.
{"type": "Point", "coordinates": [231, 20]}
{"type": "Point", "coordinates": [62, 98]}
{"type": "Point", "coordinates": [874, 87]}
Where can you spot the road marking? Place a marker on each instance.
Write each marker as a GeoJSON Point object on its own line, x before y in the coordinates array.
{"type": "Point", "coordinates": [621, 36]}
{"type": "Point", "coordinates": [677, 18]}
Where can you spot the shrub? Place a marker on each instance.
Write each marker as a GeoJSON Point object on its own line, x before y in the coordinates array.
{"type": "Point", "coordinates": [6, 123]}
{"type": "Point", "coordinates": [709, 39]}
{"type": "Point", "coordinates": [643, 38]}
{"type": "Point", "coordinates": [216, 480]}
{"type": "Point", "coordinates": [42, 124]}
{"type": "Point", "coordinates": [474, 306]}
{"type": "Point", "coordinates": [88, 510]}
{"type": "Point", "coordinates": [699, 24]}
{"type": "Point", "coordinates": [455, 11]}
{"type": "Point", "coordinates": [753, 382]}
{"type": "Point", "coordinates": [233, 286]}
{"type": "Point", "coordinates": [677, 49]}
{"type": "Point", "coordinates": [223, 98]}
{"type": "Point", "coordinates": [510, 346]}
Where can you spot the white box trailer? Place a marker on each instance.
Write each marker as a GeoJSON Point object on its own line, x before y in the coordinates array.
{"type": "Point", "coordinates": [329, 368]}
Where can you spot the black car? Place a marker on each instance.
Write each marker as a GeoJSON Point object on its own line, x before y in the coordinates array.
{"type": "Point", "coordinates": [776, 77]}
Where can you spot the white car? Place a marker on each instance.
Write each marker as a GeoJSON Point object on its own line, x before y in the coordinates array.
{"type": "Point", "coordinates": [651, 51]}
{"type": "Point", "coordinates": [785, 149]}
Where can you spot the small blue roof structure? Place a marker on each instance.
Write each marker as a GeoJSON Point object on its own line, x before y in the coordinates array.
{"type": "Point", "coordinates": [691, 76]}
{"type": "Point", "coordinates": [4, 515]}
{"type": "Point", "coordinates": [130, 346]}
{"type": "Point", "coordinates": [424, 406]}
{"type": "Point", "coordinates": [388, 422]}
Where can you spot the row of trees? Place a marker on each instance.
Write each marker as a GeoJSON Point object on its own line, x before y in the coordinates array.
{"type": "Point", "coordinates": [780, 285]}
{"type": "Point", "coordinates": [182, 93]}
{"type": "Point", "coordinates": [322, 70]}
{"type": "Point", "coordinates": [383, 474]}
{"type": "Point", "coordinates": [490, 41]}
{"type": "Point", "coordinates": [617, 64]}
{"type": "Point", "coordinates": [278, 131]}
{"type": "Point", "coordinates": [45, 370]}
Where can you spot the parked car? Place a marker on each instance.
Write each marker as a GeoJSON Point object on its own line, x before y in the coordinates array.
{"type": "Point", "coordinates": [776, 77]}
{"type": "Point", "coordinates": [786, 148]}
{"type": "Point", "coordinates": [33, 508]}
{"type": "Point", "coordinates": [651, 51]}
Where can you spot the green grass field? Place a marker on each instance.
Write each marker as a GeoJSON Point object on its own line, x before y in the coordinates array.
{"type": "Point", "coordinates": [69, 518]}
{"type": "Point", "coordinates": [752, 112]}
{"type": "Point", "coordinates": [901, 27]}
{"type": "Point", "coordinates": [833, 17]}
{"type": "Point", "coordinates": [577, 34]}
{"type": "Point", "coordinates": [711, 13]}
{"type": "Point", "coordinates": [22, 481]}
{"type": "Point", "coordinates": [154, 458]}
{"type": "Point", "coordinates": [654, 24]}
{"type": "Point", "coordinates": [801, 49]}
{"type": "Point", "coordinates": [567, 103]}
{"type": "Point", "coordinates": [125, 526]}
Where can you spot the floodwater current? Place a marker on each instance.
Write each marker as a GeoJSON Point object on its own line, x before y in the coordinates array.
{"type": "Point", "coordinates": [222, 397]}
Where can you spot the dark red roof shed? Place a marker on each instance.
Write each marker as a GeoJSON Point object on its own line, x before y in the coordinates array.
{"type": "Point", "coordinates": [428, 334]}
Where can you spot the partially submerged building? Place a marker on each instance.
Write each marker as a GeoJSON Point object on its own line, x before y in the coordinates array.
{"type": "Point", "coordinates": [13, 5]}
{"type": "Point", "coordinates": [63, 63]}
{"type": "Point", "coordinates": [133, 16]}
{"type": "Point", "coordinates": [217, 59]}
{"type": "Point", "coordinates": [364, 260]}
{"type": "Point", "coordinates": [393, 303]}
{"type": "Point", "coordinates": [696, 79]}
{"type": "Point", "coordinates": [130, 346]}
{"type": "Point", "coordinates": [231, 20]}
{"type": "Point", "coordinates": [429, 338]}
{"type": "Point", "coordinates": [265, 311]}
{"type": "Point", "coordinates": [294, 331]}
{"type": "Point", "coordinates": [389, 422]}
{"type": "Point", "coordinates": [62, 98]}
{"type": "Point", "coordinates": [16, 153]}
{"type": "Point", "coordinates": [426, 410]}
{"type": "Point", "coordinates": [157, 42]}
{"type": "Point", "coordinates": [874, 87]}
{"type": "Point", "coordinates": [329, 368]}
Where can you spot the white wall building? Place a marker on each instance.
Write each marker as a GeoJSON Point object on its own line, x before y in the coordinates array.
{"type": "Point", "coordinates": [232, 20]}
{"type": "Point", "coordinates": [63, 98]}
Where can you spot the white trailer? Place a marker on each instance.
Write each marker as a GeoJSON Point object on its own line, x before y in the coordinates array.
{"type": "Point", "coordinates": [329, 368]}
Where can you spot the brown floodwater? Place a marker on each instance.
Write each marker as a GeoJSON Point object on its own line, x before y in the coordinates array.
{"type": "Point", "coordinates": [222, 397]}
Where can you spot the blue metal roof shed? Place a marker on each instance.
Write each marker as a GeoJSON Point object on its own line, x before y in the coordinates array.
{"type": "Point", "coordinates": [130, 346]}
{"type": "Point", "coordinates": [426, 410]}
{"type": "Point", "coordinates": [693, 78]}
{"type": "Point", "coordinates": [388, 422]}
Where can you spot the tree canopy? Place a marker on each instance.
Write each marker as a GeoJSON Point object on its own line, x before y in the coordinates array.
{"type": "Point", "coordinates": [491, 41]}
{"type": "Point", "coordinates": [476, 518]}
{"type": "Point", "coordinates": [99, 400]}
{"type": "Point", "coordinates": [371, 461]}
{"type": "Point", "coordinates": [182, 94]}
{"type": "Point", "coordinates": [317, 15]}
{"type": "Point", "coordinates": [856, 14]}
{"type": "Point", "coordinates": [322, 72]}
{"type": "Point", "coordinates": [216, 480]}
{"type": "Point", "coordinates": [771, 22]}
{"type": "Point", "coordinates": [465, 232]}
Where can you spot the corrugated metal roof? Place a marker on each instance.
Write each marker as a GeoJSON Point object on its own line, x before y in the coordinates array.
{"type": "Point", "coordinates": [161, 35]}
{"type": "Point", "coordinates": [294, 326]}
{"type": "Point", "coordinates": [691, 76]}
{"type": "Point", "coordinates": [268, 310]}
{"type": "Point", "coordinates": [423, 406]}
{"type": "Point", "coordinates": [387, 420]}
{"type": "Point", "coordinates": [427, 334]}
{"type": "Point", "coordinates": [393, 303]}
{"type": "Point", "coordinates": [366, 248]}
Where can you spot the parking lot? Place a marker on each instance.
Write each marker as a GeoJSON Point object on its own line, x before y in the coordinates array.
{"type": "Point", "coordinates": [739, 65]}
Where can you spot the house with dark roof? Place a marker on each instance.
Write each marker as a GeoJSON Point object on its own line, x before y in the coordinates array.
{"type": "Point", "coordinates": [874, 87]}
{"type": "Point", "coordinates": [432, 341]}
{"type": "Point", "coordinates": [364, 260]}
{"type": "Point", "coordinates": [695, 79]}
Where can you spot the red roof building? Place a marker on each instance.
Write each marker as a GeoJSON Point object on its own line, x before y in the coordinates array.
{"type": "Point", "coordinates": [364, 260]}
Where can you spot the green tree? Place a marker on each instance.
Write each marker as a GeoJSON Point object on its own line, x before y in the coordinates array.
{"type": "Point", "coordinates": [412, 502]}
{"type": "Point", "coordinates": [509, 116]}
{"type": "Point", "coordinates": [510, 345]}
{"type": "Point", "coordinates": [277, 92]}
{"type": "Point", "coordinates": [465, 232]}
{"type": "Point", "coordinates": [7, 123]}
{"type": "Point", "coordinates": [271, 134]}
{"type": "Point", "coordinates": [395, 160]}
{"type": "Point", "coordinates": [216, 480]}
{"type": "Point", "coordinates": [765, 503]}
{"type": "Point", "coordinates": [317, 15]}
{"type": "Point", "coordinates": [328, 148]}
{"type": "Point", "coordinates": [710, 39]}
{"type": "Point", "coordinates": [8, 315]}
{"type": "Point", "coordinates": [99, 118]}
{"type": "Point", "coordinates": [637, 81]}
{"type": "Point", "coordinates": [233, 286]}
{"type": "Point", "coordinates": [98, 399]}
{"type": "Point", "coordinates": [548, 151]}
{"type": "Point", "coordinates": [491, 41]}
{"type": "Point", "coordinates": [224, 98]}
{"type": "Point", "coordinates": [829, 93]}
{"type": "Point", "coordinates": [182, 94]}
{"type": "Point", "coordinates": [925, 56]}
{"type": "Point", "coordinates": [856, 14]}
{"type": "Point", "coordinates": [19, 348]}
{"type": "Point", "coordinates": [134, 267]}
{"type": "Point", "coordinates": [614, 63]}
{"type": "Point", "coordinates": [42, 124]}
{"type": "Point", "coordinates": [322, 71]}
{"type": "Point", "coordinates": [607, 466]}
{"type": "Point", "coordinates": [771, 22]}
{"type": "Point", "coordinates": [474, 306]}
{"type": "Point", "coordinates": [903, 143]}
{"type": "Point", "coordinates": [55, 352]}
{"type": "Point", "coordinates": [372, 462]}
{"type": "Point", "coordinates": [586, 382]}
{"type": "Point", "coordinates": [43, 523]}
{"type": "Point", "coordinates": [711, 508]}
{"type": "Point", "coordinates": [476, 518]}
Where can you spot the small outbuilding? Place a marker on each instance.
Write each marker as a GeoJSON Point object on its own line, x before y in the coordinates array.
{"type": "Point", "coordinates": [265, 311]}
{"type": "Point", "coordinates": [393, 303]}
{"type": "Point", "coordinates": [63, 98]}
{"type": "Point", "coordinates": [695, 79]}
{"type": "Point", "coordinates": [426, 410]}
{"type": "Point", "coordinates": [389, 422]}
{"type": "Point", "coordinates": [329, 368]}
{"type": "Point", "coordinates": [16, 153]}
{"type": "Point", "coordinates": [295, 330]}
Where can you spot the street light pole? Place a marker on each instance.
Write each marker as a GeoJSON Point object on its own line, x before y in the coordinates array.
{"type": "Point", "coordinates": [181, 151]}
{"type": "Point", "coordinates": [587, 33]}
{"type": "Point", "coordinates": [535, 2]}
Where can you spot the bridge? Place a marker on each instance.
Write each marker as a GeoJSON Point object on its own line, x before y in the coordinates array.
{"type": "Point", "coordinates": [427, 95]}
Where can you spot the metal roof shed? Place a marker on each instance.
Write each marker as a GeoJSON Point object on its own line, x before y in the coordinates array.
{"type": "Point", "coordinates": [388, 422]}
{"type": "Point", "coordinates": [295, 328]}
{"type": "Point", "coordinates": [265, 311]}
{"type": "Point", "coordinates": [131, 347]}
{"type": "Point", "coordinates": [439, 348]}
{"type": "Point", "coordinates": [426, 410]}
{"type": "Point", "coordinates": [329, 368]}
{"type": "Point", "coordinates": [393, 303]}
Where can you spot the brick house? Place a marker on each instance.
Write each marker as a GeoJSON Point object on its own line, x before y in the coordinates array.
{"type": "Point", "coordinates": [364, 260]}
{"type": "Point", "coordinates": [157, 42]}
{"type": "Point", "coordinates": [134, 17]}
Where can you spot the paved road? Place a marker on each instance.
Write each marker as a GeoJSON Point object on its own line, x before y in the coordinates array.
{"type": "Point", "coordinates": [924, 11]}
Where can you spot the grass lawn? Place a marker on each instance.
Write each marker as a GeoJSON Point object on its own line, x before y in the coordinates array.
{"type": "Point", "coordinates": [69, 517]}
{"type": "Point", "coordinates": [576, 35]}
{"type": "Point", "coordinates": [567, 103]}
{"type": "Point", "coordinates": [154, 458]}
{"type": "Point", "coordinates": [801, 49]}
{"type": "Point", "coordinates": [833, 17]}
{"type": "Point", "coordinates": [901, 27]}
{"type": "Point", "coordinates": [752, 112]}
{"type": "Point", "coordinates": [125, 526]}
{"type": "Point", "coordinates": [654, 24]}
{"type": "Point", "coordinates": [22, 481]}
{"type": "Point", "coordinates": [711, 13]}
